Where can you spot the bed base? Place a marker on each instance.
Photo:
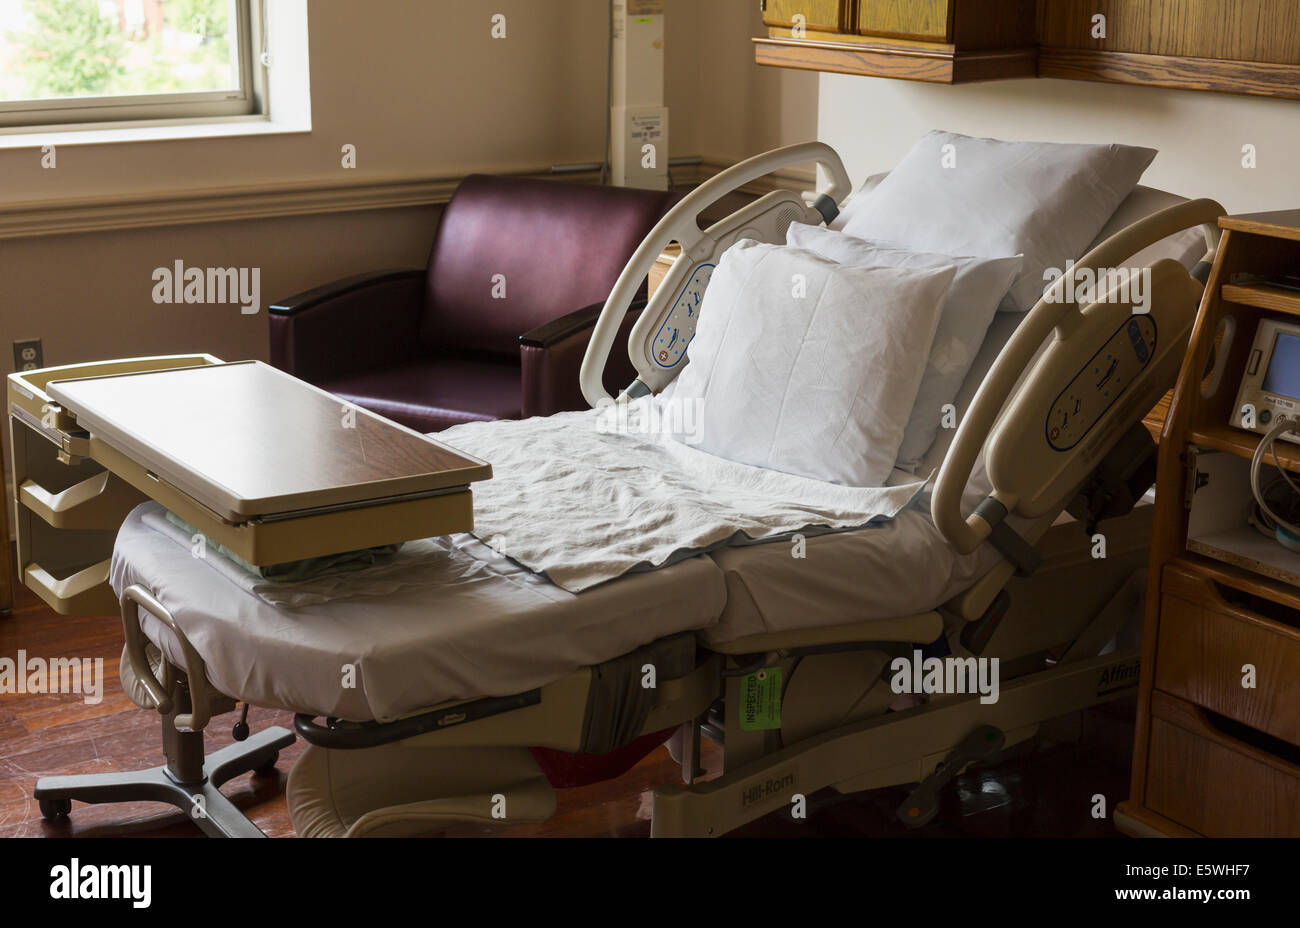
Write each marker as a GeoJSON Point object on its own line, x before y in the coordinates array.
{"type": "Point", "coordinates": [835, 733]}
{"type": "Point", "coordinates": [865, 755]}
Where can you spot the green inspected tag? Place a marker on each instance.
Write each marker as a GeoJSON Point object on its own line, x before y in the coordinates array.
{"type": "Point", "coordinates": [760, 700]}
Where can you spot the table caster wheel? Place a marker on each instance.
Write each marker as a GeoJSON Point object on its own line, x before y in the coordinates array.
{"type": "Point", "coordinates": [54, 810]}
{"type": "Point", "coordinates": [267, 766]}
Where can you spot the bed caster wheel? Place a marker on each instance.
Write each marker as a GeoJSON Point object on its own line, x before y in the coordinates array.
{"type": "Point", "coordinates": [55, 810]}
{"type": "Point", "coordinates": [267, 767]}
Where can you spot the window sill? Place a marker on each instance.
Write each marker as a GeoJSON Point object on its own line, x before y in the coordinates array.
{"type": "Point", "coordinates": [160, 131]}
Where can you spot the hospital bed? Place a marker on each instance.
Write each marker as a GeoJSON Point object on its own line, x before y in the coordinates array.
{"type": "Point", "coordinates": [487, 687]}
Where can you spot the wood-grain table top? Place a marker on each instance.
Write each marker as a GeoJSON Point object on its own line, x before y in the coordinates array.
{"type": "Point", "coordinates": [247, 440]}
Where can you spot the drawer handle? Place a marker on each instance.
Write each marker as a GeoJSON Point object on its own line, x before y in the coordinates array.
{"type": "Point", "coordinates": [1240, 735]}
{"type": "Point", "coordinates": [1250, 606]}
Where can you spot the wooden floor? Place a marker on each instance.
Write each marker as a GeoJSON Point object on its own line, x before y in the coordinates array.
{"type": "Point", "coordinates": [1045, 789]}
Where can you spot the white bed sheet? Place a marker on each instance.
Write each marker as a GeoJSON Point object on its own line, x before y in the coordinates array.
{"type": "Point", "coordinates": [493, 628]}
{"type": "Point", "coordinates": [901, 568]}
{"type": "Point", "coordinates": [489, 628]}
{"type": "Point", "coordinates": [585, 497]}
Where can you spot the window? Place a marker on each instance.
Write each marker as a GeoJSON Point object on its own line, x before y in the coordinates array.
{"type": "Point", "coordinates": [71, 62]}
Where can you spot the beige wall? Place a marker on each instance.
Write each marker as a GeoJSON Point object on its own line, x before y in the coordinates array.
{"type": "Point", "coordinates": [88, 296]}
{"type": "Point", "coordinates": [873, 122]}
{"type": "Point", "coordinates": [434, 97]}
{"type": "Point", "coordinates": [424, 89]}
{"type": "Point", "coordinates": [746, 109]}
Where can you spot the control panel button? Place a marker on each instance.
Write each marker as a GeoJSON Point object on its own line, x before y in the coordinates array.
{"type": "Point", "coordinates": [678, 328]}
{"type": "Point", "coordinates": [1100, 382]}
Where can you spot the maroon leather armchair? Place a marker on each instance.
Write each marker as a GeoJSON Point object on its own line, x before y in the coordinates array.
{"type": "Point", "coordinates": [495, 326]}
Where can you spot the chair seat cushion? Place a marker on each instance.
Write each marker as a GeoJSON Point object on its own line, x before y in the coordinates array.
{"type": "Point", "coordinates": [431, 395]}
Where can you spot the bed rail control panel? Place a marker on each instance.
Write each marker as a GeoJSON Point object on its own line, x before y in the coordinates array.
{"type": "Point", "coordinates": [1270, 385]}
{"type": "Point", "coordinates": [1100, 382]}
{"type": "Point", "coordinates": [678, 328]}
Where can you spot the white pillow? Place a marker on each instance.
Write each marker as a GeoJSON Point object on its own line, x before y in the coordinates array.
{"type": "Point", "coordinates": [978, 287]}
{"type": "Point", "coordinates": [806, 366]}
{"type": "Point", "coordinates": [985, 197]}
{"type": "Point", "coordinates": [1186, 247]}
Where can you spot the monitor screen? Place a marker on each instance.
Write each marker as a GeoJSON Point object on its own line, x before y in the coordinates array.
{"type": "Point", "coordinates": [1283, 374]}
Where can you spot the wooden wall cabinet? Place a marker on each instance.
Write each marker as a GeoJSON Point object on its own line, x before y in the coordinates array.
{"type": "Point", "coordinates": [939, 41]}
{"type": "Point", "coordinates": [1232, 46]}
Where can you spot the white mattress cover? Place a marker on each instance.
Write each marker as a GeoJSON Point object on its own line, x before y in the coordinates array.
{"type": "Point", "coordinates": [493, 628]}
{"type": "Point", "coordinates": [490, 629]}
{"type": "Point", "coordinates": [901, 568]}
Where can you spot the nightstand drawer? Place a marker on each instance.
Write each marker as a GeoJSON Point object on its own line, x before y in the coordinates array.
{"type": "Point", "coordinates": [1208, 633]}
{"type": "Point", "coordinates": [1219, 786]}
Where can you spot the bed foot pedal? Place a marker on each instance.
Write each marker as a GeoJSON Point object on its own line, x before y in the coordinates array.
{"type": "Point", "coordinates": [922, 804]}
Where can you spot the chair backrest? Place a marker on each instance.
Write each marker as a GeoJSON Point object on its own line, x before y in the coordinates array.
{"type": "Point", "coordinates": [513, 253]}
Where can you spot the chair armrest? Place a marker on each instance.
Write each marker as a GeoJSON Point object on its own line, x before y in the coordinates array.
{"type": "Point", "coordinates": [551, 356]}
{"type": "Point", "coordinates": [556, 330]}
{"type": "Point", "coordinates": [348, 326]}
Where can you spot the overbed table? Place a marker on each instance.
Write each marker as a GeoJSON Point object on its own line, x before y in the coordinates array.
{"type": "Point", "coordinates": [267, 465]}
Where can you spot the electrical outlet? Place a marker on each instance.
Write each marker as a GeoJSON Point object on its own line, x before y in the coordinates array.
{"type": "Point", "coordinates": [28, 355]}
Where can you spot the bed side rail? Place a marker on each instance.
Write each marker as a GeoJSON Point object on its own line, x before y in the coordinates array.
{"type": "Point", "coordinates": [1005, 414]}
{"type": "Point", "coordinates": [700, 250]}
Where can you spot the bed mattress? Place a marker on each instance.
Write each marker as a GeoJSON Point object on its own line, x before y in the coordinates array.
{"type": "Point", "coordinates": [901, 568]}
{"type": "Point", "coordinates": [480, 625]}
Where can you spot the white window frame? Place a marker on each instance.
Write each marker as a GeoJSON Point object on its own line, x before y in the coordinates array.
{"type": "Point", "coordinates": [79, 113]}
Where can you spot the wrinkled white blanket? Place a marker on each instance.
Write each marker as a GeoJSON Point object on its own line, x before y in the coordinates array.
{"type": "Point", "coordinates": [585, 497]}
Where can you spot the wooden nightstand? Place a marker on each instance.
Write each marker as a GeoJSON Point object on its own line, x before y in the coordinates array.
{"type": "Point", "coordinates": [1214, 756]}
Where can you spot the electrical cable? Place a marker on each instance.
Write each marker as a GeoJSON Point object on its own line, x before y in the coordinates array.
{"type": "Point", "coordinates": [1265, 517]}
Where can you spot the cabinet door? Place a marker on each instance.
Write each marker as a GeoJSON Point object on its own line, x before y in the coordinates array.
{"type": "Point", "coordinates": [929, 20]}
{"type": "Point", "coordinates": [819, 15]}
{"type": "Point", "coordinates": [1233, 30]}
